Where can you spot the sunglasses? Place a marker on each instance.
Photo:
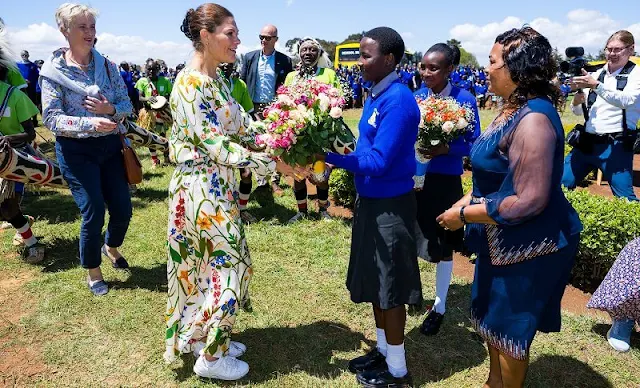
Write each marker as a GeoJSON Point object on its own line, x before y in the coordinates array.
{"type": "Point", "coordinates": [266, 38]}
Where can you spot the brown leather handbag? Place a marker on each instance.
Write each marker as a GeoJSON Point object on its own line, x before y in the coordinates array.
{"type": "Point", "coordinates": [132, 165]}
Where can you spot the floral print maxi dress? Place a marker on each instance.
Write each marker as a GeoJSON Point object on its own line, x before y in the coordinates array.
{"type": "Point", "coordinates": [208, 267]}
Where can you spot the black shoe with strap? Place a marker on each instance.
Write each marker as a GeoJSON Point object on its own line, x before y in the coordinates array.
{"type": "Point", "coordinates": [383, 378]}
{"type": "Point", "coordinates": [432, 323]}
{"type": "Point", "coordinates": [372, 360]}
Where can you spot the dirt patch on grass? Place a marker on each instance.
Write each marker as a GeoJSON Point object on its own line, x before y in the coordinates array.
{"type": "Point", "coordinates": [20, 355]}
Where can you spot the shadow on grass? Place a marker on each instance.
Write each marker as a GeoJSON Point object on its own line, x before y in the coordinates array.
{"type": "Point", "coordinates": [564, 371]}
{"type": "Point", "coordinates": [455, 348]}
{"type": "Point", "coordinates": [146, 194]}
{"type": "Point", "coordinates": [602, 329]}
{"type": "Point", "coordinates": [152, 279]}
{"type": "Point", "coordinates": [269, 208]}
{"type": "Point", "coordinates": [62, 254]}
{"type": "Point", "coordinates": [56, 207]}
{"type": "Point", "coordinates": [150, 175]}
{"type": "Point", "coordinates": [274, 351]}
{"type": "Point", "coordinates": [53, 206]}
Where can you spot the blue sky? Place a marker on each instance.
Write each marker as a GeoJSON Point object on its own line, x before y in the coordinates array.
{"type": "Point", "coordinates": [134, 30]}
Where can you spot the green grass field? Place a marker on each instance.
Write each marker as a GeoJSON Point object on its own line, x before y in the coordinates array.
{"type": "Point", "coordinates": [303, 330]}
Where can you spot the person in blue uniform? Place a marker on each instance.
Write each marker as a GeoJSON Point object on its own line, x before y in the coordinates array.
{"type": "Point", "coordinates": [356, 88]}
{"type": "Point", "coordinates": [481, 89]}
{"type": "Point", "coordinates": [383, 267]}
{"type": "Point", "coordinates": [519, 223]}
{"type": "Point", "coordinates": [442, 181]}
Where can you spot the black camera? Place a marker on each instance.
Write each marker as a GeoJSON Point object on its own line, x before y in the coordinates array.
{"type": "Point", "coordinates": [575, 63]}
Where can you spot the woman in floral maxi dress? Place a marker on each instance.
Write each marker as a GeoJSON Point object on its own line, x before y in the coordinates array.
{"type": "Point", "coordinates": [209, 267]}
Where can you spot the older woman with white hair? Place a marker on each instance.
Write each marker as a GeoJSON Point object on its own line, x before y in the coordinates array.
{"type": "Point", "coordinates": [84, 100]}
{"type": "Point", "coordinates": [314, 64]}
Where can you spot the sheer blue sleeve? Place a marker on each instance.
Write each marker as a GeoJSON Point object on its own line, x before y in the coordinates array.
{"type": "Point", "coordinates": [526, 190]}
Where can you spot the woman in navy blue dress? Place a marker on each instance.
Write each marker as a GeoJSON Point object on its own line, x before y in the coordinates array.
{"type": "Point", "coordinates": [519, 222]}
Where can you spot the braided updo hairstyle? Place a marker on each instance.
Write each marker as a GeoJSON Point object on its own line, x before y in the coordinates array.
{"type": "Point", "coordinates": [206, 17]}
{"type": "Point", "coordinates": [531, 64]}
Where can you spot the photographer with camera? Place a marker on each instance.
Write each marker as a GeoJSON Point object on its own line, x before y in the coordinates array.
{"type": "Point", "coordinates": [611, 111]}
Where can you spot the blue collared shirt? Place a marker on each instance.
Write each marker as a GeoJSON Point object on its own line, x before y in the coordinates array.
{"type": "Point", "coordinates": [384, 160]}
{"type": "Point", "coordinates": [266, 82]}
{"type": "Point", "coordinates": [381, 86]}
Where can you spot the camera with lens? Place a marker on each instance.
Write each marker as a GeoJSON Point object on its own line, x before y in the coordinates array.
{"type": "Point", "coordinates": [575, 63]}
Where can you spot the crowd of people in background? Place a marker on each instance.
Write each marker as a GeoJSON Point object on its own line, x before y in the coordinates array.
{"type": "Point", "coordinates": [472, 79]}
{"type": "Point", "coordinates": [469, 78]}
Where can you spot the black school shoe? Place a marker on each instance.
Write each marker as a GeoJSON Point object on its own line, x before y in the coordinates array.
{"type": "Point", "coordinates": [372, 360]}
{"type": "Point", "coordinates": [432, 323]}
{"type": "Point", "coordinates": [383, 378]}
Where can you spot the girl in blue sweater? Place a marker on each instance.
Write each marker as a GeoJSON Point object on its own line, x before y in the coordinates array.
{"type": "Point", "coordinates": [383, 268]}
{"type": "Point", "coordinates": [442, 182]}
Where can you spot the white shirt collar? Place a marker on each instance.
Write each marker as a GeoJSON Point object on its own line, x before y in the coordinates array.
{"type": "Point", "coordinates": [381, 86]}
{"type": "Point", "coordinates": [446, 92]}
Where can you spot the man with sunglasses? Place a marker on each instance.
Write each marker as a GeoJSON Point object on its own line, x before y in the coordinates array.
{"type": "Point", "coordinates": [611, 111]}
{"type": "Point", "coordinates": [264, 71]}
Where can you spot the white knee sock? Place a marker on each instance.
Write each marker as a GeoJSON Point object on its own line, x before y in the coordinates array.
{"type": "Point", "coordinates": [382, 341]}
{"type": "Point", "coordinates": [396, 361]}
{"type": "Point", "coordinates": [444, 269]}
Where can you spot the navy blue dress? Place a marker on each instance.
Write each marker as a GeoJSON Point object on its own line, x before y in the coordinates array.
{"type": "Point", "coordinates": [525, 260]}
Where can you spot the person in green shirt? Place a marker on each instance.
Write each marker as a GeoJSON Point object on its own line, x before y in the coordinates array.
{"type": "Point", "coordinates": [150, 87]}
{"type": "Point", "coordinates": [10, 72]}
{"type": "Point", "coordinates": [14, 78]}
{"type": "Point", "coordinates": [313, 65]}
{"type": "Point", "coordinates": [17, 131]}
{"type": "Point", "coordinates": [237, 87]}
{"type": "Point", "coordinates": [240, 93]}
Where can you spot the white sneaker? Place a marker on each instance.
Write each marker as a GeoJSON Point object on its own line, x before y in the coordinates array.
{"type": "Point", "coordinates": [224, 368]}
{"type": "Point", "coordinates": [617, 344]}
{"type": "Point", "coordinates": [236, 349]}
{"type": "Point", "coordinates": [297, 217]}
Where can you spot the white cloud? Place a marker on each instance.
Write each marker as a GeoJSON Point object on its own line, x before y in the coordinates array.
{"type": "Point", "coordinates": [407, 35]}
{"type": "Point", "coordinates": [635, 30]}
{"type": "Point", "coordinates": [587, 28]}
{"type": "Point", "coordinates": [42, 39]}
{"type": "Point", "coordinates": [290, 3]}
